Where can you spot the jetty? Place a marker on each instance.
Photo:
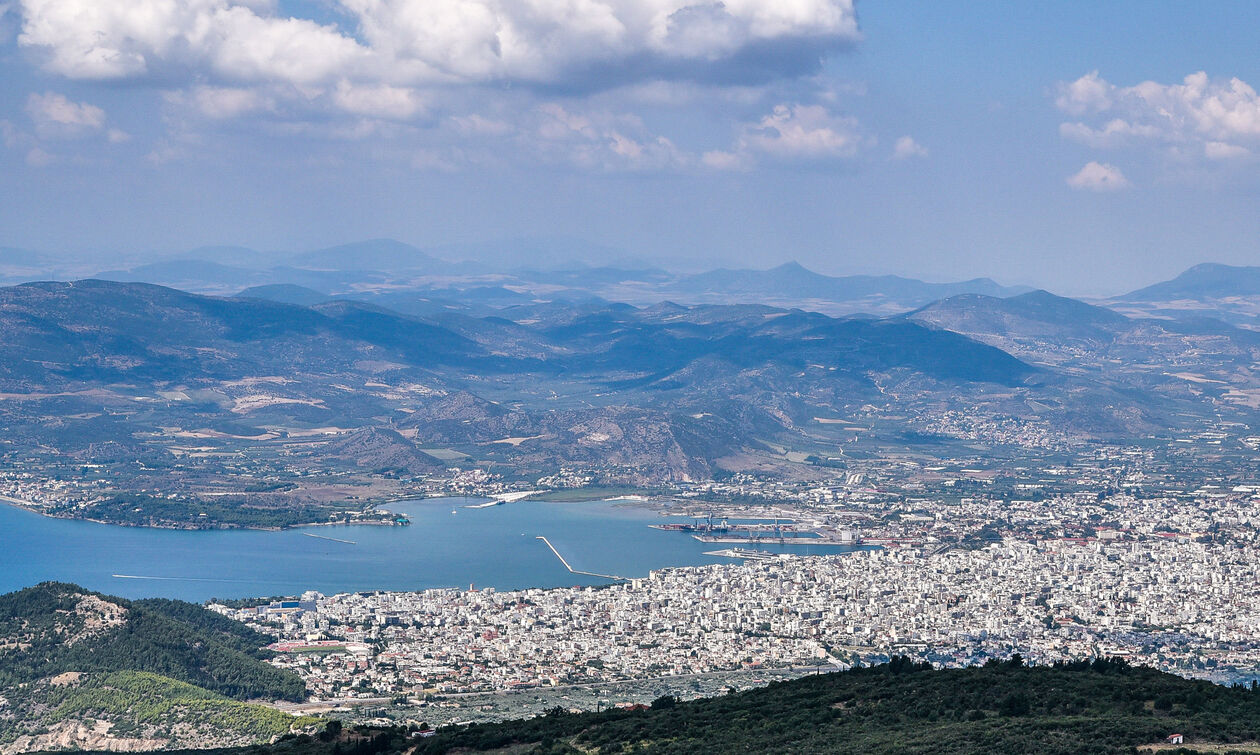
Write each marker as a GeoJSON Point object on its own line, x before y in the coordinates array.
{"type": "Point", "coordinates": [577, 571]}
{"type": "Point", "coordinates": [334, 539]}
{"type": "Point", "coordinates": [486, 505]}
{"type": "Point", "coordinates": [503, 498]}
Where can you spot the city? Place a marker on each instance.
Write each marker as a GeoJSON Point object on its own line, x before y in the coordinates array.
{"type": "Point", "coordinates": [612, 377]}
{"type": "Point", "coordinates": [1164, 583]}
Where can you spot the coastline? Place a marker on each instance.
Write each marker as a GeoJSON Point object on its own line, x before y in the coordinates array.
{"type": "Point", "coordinates": [33, 508]}
{"type": "Point", "coordinates": [641, 501]}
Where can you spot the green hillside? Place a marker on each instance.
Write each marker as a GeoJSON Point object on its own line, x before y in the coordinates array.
{"type": "Point", "coordinates": [137, 699]}
{"type": "Point", "coordinates": [82, 670]}
{"type": "Point", "coordinates": [55, 627]}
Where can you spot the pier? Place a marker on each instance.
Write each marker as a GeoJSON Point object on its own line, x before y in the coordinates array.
{"type": "Point", "coordinates": [334, 539]}
{"type": "Point", "coordinates": [577, 571]}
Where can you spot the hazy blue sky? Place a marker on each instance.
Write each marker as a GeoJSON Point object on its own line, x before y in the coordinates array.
{"type": "Point", "coordinates": [1087, 147]}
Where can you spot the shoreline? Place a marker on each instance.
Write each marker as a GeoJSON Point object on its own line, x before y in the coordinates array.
{"type": "Point", "coordinates": [633, 501]}
{"type": "Point", "coordinates": [21, 505]}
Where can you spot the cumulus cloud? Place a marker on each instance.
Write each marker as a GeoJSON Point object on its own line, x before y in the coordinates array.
{"type": "Point", "coordinates": [1099, 177]}
{"type": "Point", "coordinates": [479, 74]}
{"type": "Point", "coordinates": [111, 39]}
{"type": "Point", "coordinates": [222, 102]}
{"type": "Point", "coordinates": [802, 132]}
{"type": "Point", "coordinates": [722, 160]}
{"type": "Point", "coordinates": [1225, 151]}
{"type": "Point", "coordinates": [414, 42]}
{"type": "Point", "coordinates": [597, 140]}
{"type": "Point", "coordinates": [793, 133]}
{"type": "Point", "coordinates": [378, 101]}
{"type": "Point", "coordinates": [1215, 118]}
{"type": "Point", "coordinates": [1088, 94]}
{"type": "Point", "coordinates": [906, 147]}
{"type": "Point", "coordinates": [56, 115]}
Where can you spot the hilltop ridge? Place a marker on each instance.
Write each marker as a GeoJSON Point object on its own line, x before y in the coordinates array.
{"type": "Point", "coordinates": [79, 669]}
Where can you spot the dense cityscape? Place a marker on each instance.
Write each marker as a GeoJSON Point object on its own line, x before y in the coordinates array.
{"type": "Point", "coordinates": [1166, 583]}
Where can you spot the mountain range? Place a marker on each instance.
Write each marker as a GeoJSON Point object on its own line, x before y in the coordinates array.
{"type": "Point", "coordinates": [659, 393]}
{"type": "Point", "coordinates": [550, 371]}
{"type": "Point", "coordinates": [548, 268]}
{"type": "Point", "coordinates": [586, 382]}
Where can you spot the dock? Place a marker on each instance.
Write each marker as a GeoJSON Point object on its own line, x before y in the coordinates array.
{"type": "Point", "coordinates": [744, 553]}
{"type": "Point", "coordinates": [334, 539]}
{"type": "Point", "coordinates": [577, 571]}
{"type": "Point", "coordinates": [756, 539]}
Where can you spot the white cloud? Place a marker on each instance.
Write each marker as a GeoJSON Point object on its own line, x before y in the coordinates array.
{"type": "Point", "coordinates": [482, 75]}
{"type": "Point", "coordinates": [722, 160]}
{"type": "Point", "coordinates": [1088, 94]}
{"type": "Point", "coordinates": [380, 101]}
{"type": "Point", "coordinates": [1225, 151]}
{"type": "Point", "coordinates": [222, 102]}
{"type": "Point", "coordinates": [1114, 133]}
{"type": "Point", "coordinates": [801, 132]}
{"type": "Point", "coordinates": [417, 42]}
{"type": "Point", "coordinates": [1215, 118]}
{"type": "Point", "coordinates": [1100, 177]}
{"type": "Point", "coordinates": [906, 147]}
{"type": "Point", "coordinates": [110, 39]}
{"type": "Point", "coordinates": [598, 140]}
{"type": "Point", "coordinates": [55, 115]}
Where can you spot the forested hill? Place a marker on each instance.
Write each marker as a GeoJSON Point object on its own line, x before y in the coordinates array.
{"type": "Point", "coordinates": [901, 707]}
{"type": "Point", "coordinates": [55, 628]}
{"type": "Point", "coordinates": [1102, 706]}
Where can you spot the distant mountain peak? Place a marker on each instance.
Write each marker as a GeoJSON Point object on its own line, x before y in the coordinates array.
{"type": "Point", "coordinates": [792, 267]}
{"type": "Point", "coordinates": [1207, 280]}
{"type": "Point", "coordinates": [792, 280]}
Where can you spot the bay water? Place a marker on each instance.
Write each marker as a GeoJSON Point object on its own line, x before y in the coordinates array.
{"type": "Point", "coordinates": [446, 545]}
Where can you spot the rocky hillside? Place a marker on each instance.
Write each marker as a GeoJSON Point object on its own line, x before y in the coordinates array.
{"type": "Point", "coordinates": [83, 670]}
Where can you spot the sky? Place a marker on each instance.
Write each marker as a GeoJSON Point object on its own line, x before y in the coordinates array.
{"type": "Point", "coordinates": [1085, 147]}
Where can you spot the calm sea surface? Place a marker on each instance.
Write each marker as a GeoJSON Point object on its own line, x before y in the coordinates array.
{"type": "Point", "coordinates": [491, 547]}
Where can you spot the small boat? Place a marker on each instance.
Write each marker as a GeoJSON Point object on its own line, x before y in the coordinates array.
{"type": "Point", "coordinates": [453, 511]}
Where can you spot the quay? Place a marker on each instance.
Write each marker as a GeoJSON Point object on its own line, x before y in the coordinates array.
{"type": "Point", "coordinates": [754, 539]}
{"type": "Point", "coordinates": [744, 553]}
{"type": "Point", "coordinates": [577, 571]}
{"type": "Point", "coordinates": [709, 527]}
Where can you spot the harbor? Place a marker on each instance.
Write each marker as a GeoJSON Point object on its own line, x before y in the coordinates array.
{"type": "Point", "coordinates": [494, 547]}
{"type": "Point", "coordinates": [778, 532]}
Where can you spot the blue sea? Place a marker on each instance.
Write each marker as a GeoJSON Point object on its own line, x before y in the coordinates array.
{"type": "Point", "coordinates": [489, 547]}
